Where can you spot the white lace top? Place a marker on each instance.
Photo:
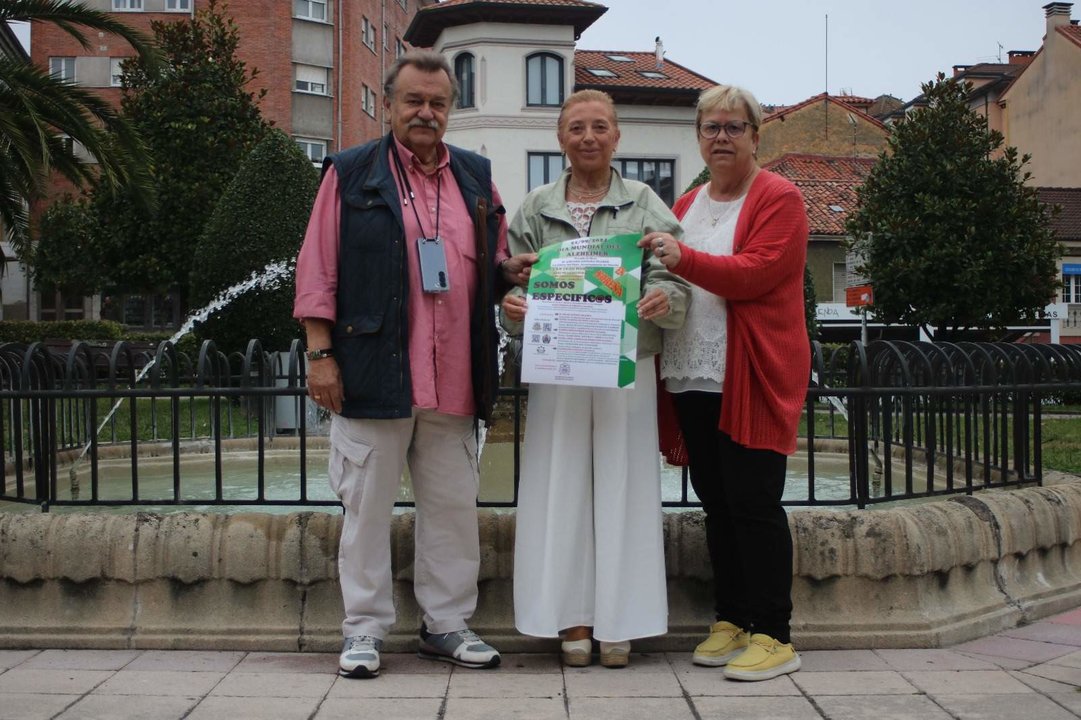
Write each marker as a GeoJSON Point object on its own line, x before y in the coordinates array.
{"type": "Point", "coordinates": [582, 215]}
{"type": "Point", "coordinates": [693, 356]}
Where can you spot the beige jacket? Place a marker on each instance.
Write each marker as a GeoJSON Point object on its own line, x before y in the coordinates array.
{"type": "Point", "coordinates": [629, 207]}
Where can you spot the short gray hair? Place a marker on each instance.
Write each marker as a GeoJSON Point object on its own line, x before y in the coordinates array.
{"type": "Point", "coordinates": [729, 98]}
{"type": "Point", "coordinates": [426, 61]}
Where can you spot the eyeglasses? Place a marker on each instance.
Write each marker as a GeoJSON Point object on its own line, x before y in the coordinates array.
{"type": "Point", "coordinates": [733, 129]}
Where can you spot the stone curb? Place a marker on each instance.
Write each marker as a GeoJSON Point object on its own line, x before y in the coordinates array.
{"type": "Point", "coordinates": [921, 575]}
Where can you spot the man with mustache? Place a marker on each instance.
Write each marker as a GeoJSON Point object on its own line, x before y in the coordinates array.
{"type": "Point", "coordinates": [404, 259]}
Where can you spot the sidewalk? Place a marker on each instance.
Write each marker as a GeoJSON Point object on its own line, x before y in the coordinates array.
{"type": "Point", "coordinates": [1029, 673]}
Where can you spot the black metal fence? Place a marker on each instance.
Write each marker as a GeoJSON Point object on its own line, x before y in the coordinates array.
{"type": "Point", "coordinates": [82, 427]}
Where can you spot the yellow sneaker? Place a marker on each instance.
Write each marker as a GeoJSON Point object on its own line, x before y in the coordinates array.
{"type": "Point", "coordinates": [725, 642]}
{"type": "Point", "coordinates": [763, 659]}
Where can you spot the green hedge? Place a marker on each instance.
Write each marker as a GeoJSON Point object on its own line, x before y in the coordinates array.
{"type": "Point", "coordinates": [26, 332]}
{"type": "Point", "coordinates": [93, 331]}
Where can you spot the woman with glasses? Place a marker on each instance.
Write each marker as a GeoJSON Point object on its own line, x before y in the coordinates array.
{"type": "Point", "coordinates": [737, 375]}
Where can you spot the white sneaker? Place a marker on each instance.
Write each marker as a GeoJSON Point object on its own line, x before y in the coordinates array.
{"type": "Point", "coordinates": [360, 657]}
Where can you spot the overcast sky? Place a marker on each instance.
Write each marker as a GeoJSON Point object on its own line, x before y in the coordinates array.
{"type": "Point", "coordinates": [777, 48]}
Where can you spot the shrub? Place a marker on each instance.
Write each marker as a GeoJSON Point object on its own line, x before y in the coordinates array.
{"type": "Point", "coordinates": [259, 220]}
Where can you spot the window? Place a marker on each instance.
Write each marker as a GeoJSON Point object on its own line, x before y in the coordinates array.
{"type": "Point", "coordinates": [386, 37]}
{"type": "Point", "coordinates": [310, 9]}
{"type": "Point", "coordinates": [177, 5]}
{"type": "Point", "coordinates": [544, 80]}
{"type": "Point", "coordinates": [601, 72]}
{"type": "Point", "coordinates": [115, 73]}
{"type": "Point", "coordinates": [60, 306]}
{"type": "Point", "coordinates": [658, 174]}
{"type": "Point", "coordinates": [399, 48]}
{"type": "Point", "coordinates": [653, 74]}
{"type": "Point", "coordinates": [311, 79]}
{"type": "Point", "coordinates": [316, 150]}
{"type": "Point", "coordinates": [544, 168]}
{"type": "Point", "coordinates": [619, 58]}
{"type": "Point", "coordinates": [157, 311]}
{"type": "Point", "coordinates": [1071, 288]}
{"type": "Point", "coordinates": [62, 68]}
{"type": "Point", "coordinates": [840, 281]}
{"type": "Point", "coordinates": [368, 33]}
{"type": "Point", "coordinates": [402, 3]}
{"type": "Point", "coordinates": [127, 5]}
{"type": "Point", "coordinates": [368, 98]}
{"type": "Point", "coordinates": [463, 73]}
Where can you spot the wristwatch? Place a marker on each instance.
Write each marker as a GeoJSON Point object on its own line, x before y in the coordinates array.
{"type": "Point", "coordinates": [320, 354]}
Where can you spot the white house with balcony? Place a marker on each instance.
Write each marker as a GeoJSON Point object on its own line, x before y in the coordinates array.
{"type": "Point", "coordinates": [516, 62]}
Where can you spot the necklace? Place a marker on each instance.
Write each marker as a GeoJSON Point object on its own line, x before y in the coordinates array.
{"type": "Point", "coordinates": [586, 195]}
{"type": "Point", "coordinates": [736, 195]}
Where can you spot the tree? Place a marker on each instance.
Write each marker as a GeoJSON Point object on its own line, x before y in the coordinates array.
{"type": "Point", "coordinates": [66, 257]}
{"type": "Point", "coordinates": [260, 220]}
{"type": "Point", "coordinates": [947, 231]}
{"type": "Point", "coordinates": [38, 110]}
{"type": "Point", "coordinates": [199, 121]}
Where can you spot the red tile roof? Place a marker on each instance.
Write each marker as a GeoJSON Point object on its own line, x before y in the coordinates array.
{"type": "Point", "coordinates": [630, 74]}
{"type": "Point", "coordinates": [838, 99]}
{"type": "Point", "coordinates": [828, 185]}
{"type": "Point", "coordinates": [1067, 225]}
{"type": "Point", "coordinates": [1073, 32]}
{"type": "Point", "coordinates": [432, 20]}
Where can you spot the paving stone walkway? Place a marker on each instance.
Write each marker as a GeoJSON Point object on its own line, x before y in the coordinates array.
{"type": "Point", "coordinates": [1028, 673]}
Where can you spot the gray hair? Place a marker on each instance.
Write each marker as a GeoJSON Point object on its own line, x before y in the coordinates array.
{"type": "Point", "coordinates": [425, 60]}
{"type": "Point", "coordinates": [729, 98]}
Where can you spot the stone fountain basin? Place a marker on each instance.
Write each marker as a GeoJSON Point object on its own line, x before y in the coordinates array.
{"type": "Point", "coordinates": [921, 575]}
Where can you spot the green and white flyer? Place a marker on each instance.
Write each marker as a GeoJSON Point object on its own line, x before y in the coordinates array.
{"type": "Point", "coordinates": [581, 323]}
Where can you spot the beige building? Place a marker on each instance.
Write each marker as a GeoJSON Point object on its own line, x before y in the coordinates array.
{"type": "Point", "coordinates": [1042, 107]}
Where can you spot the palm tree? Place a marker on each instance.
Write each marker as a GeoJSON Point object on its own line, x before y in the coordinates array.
{"type": "Point", "coordinates": [43, 117]}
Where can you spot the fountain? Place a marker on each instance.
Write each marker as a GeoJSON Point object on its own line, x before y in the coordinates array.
{"type": "Point", "coordinates": [268, 278]}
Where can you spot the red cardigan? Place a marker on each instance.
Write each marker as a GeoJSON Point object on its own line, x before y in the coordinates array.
{"type": "Point", "coordinates": [768, 363]}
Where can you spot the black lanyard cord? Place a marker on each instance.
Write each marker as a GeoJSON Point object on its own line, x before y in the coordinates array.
{"type": "Point", "coordinates": [403, 179]}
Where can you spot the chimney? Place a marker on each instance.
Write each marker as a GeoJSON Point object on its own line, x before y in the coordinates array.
{"type": "Point", "coordinates": [1057, 13]}
{"type": "Point", "coordinates": [1021, 57]}
{"type": "Point", "coordinates": [660, 51]}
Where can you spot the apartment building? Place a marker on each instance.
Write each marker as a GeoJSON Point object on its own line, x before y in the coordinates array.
{"type": "Point", "coordinates": [321, 63]}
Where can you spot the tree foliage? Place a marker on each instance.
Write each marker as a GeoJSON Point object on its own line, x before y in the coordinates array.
{"type": "Point", "coordinates": [947, 231]}
{"type": "Point", "coordinates": [260, 220]}
{"type": "Point", "coordinates": [199, 121]}
{"type": "Point", "coordinates": [67, 256]}
{"type": "Point", "coordinates": [38, 110]}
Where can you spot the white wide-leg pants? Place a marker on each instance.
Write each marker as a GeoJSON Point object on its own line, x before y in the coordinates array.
{"type": "Point", "coordinates": [589, 548]}
{"type": "Point", "coordinates": [366, 462]}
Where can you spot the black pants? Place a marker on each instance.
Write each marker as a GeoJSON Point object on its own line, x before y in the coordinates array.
{"type": "Point", "coordinates": [750, 545]}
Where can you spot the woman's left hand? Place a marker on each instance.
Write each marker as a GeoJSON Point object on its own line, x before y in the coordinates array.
{"type": "Point", "coordinates": [654, 305]}
{"type": "Point", "coordinates": [663, 246]}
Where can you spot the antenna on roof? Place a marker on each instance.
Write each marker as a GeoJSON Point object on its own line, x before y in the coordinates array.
{"type": "Point", "coordinates": [1000, 53]}
{"type": "Point", "coordinates": [826, 96]}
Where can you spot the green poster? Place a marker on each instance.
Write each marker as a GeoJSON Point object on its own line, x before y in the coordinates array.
{"type": "Point", "coordinates": [581, 325]}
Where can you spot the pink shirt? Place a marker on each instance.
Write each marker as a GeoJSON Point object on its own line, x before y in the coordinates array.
{"type": "Point", "coordinates": [439, 353]}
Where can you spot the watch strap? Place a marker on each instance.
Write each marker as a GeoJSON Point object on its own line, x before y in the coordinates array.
{"type": "Point", "coordinates": [320, 354]}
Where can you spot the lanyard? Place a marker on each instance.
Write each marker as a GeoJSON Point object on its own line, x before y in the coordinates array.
{"type": "Point", "coordinates": [403, 179]}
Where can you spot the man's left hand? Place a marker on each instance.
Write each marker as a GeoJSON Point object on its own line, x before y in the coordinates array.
{"type": "Point", "coordinates": [516, 269]}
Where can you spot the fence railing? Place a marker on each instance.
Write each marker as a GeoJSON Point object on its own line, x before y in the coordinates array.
{"type": "Point", "coordinates": [115, 426]}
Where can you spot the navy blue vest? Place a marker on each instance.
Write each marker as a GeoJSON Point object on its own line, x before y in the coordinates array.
{"type": "Point", "coordinates": [372, 328]}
